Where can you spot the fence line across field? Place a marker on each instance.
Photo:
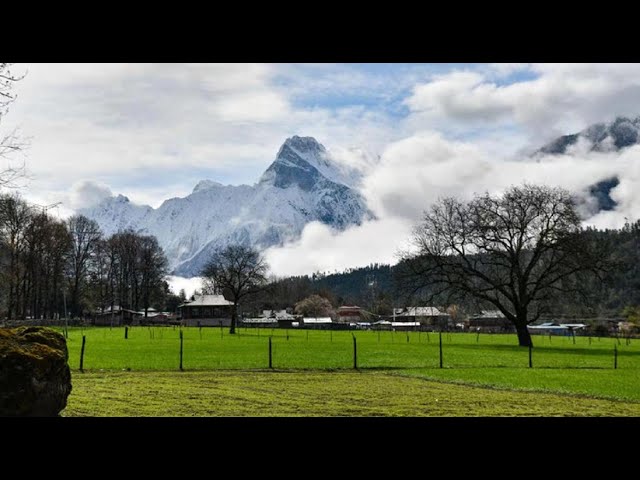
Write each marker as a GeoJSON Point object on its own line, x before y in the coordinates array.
{"type": "Point", "coordinates": [149, 348]}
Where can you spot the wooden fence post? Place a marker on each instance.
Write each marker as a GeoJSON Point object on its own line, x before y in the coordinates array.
{"type": "Point", "coordinates": [270, 354]}
{"type": "Point", "coordinates": [355, 353]}
{"type": "Point", "coordinates": [126, 333]}
{"type": "Point", "coordinates": [180, 350]}
{"type": "Point", "coordinates": [615, 357]}
{"type": "Point", "coordinates": [530, 357]}
{"type": "Point", "coordinates": [82, 354]}
{"type": "Point", "coordinates": [440, 336]}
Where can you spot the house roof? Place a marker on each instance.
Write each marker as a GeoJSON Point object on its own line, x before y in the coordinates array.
{"type": "Point", "coordinates": [418, 312]}
{"type": "Point", "coordinates": [268, 320]}
{"type": "Point", "coordinates": [117, 310]}
{"type": "Point", "coordinates": [547, 327]}
{"type": "Point", "coordinates": [490, 314]}
{"type": "Point", "coordinates": [405, 324]}
{"type": "Point", "coordinates": [348, 308]}
{"type": "Point", "coordinates": [317, 320]}
{"type": "Point", "coordinates": [206, 301]}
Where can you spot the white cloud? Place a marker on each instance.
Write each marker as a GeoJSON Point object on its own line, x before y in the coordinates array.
{"type": "Point", "coordinates": [152, 131]}
{"type": "Point", "coordinates": [560, 99]}
{"type": "Point", "coordinates": [117, 122]}
{"type": "Point", "coordinates": [189, 285]}
{"type": "Point", "coordinates": [320, 248]}
{"type": "Point", "coordinates": [87, 193]}
{"type": "Point", "coordinates": [413, 173]}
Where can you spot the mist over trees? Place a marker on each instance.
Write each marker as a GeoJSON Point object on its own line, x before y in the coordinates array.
{"type": "Point", "coordinates": [46, 263]}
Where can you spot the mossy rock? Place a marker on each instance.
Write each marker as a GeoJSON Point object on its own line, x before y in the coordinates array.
{"type": "Point", "coordinates": [35, 379]}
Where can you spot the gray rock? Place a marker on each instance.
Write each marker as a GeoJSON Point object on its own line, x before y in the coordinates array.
{"type": "Point", "coordinates": [35, 379]}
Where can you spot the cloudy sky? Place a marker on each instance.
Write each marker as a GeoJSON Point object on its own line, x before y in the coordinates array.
{"type": "Point", "coordinates": [152, 131]}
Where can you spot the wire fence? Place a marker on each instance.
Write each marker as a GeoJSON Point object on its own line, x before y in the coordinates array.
{"type": "Point", "coordinates": [193, 348]}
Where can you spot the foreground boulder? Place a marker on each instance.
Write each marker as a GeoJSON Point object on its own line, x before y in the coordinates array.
{"type": "Point", "coordinates": [35, 380]}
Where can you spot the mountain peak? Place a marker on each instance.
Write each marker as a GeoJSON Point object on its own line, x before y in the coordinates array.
{"type": "Point", "coordinates": [305, 145]}
{"type": "Point", "coordinates": [206, 185]}
{"type": "Point", "coordinates": [304, 161]}
{"type": "Point", "coordinates": [303, 184]}
{"type": "Point", "coordinates": [298, 162]}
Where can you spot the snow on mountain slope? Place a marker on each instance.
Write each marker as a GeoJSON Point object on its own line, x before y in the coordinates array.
{"type": "Point", "coordinates": [303, 184]}
{"type": "Point", "coordinates": [615, 136]}
{"type": "Point", "coordinates": [601, 137]}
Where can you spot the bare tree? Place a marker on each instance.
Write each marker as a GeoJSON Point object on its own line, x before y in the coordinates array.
{"type": "Point", "coordinates": [517, 252]}
{"type": "Point", "coordinates": [153, 268]}
{"type": "Point", "coordinates": [33, 247]}
{"type": "Point", "coordinates": [9, 143]}
{"type": "Point", "coordinates": [236, 271]}
{"type": "Point", "coordinates": [14, 219]}
{"type": "Point", "coordinates": [85, 236]}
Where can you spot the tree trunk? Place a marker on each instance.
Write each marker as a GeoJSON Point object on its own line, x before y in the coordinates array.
{"type": "Point", "coordinates": [234, 310]}
{"type": "Point", "coordinates": [524, 337]}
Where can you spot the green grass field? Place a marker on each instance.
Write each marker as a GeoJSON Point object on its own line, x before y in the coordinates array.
{"type": "Point", "coordinates": [312, 393]}
{"type": "Point", "coordinates": [150, 356]}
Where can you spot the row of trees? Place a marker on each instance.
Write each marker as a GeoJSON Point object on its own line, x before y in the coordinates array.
{"type": "Point", "coordinates": [52, 268]}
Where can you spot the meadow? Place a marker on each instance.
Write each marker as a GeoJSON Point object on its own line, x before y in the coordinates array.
{"type": "Point", "coordinates": [580, 372]}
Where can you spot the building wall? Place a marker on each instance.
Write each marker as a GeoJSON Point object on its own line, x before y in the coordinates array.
{"type": "Point", "coordinates": [222, 311]}
{"type": "Point", "coordinates": [207, 322]}
{"type": "Point", "coordinates": [489, 322]}
{"type": "Point", "coordinates": [440, 320]}
{"type": "Point", "coordinates": [105, 320]}
{"type": "Point", "coordinates": [349, 316]}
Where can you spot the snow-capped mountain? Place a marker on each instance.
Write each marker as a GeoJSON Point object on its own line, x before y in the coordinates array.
{"type": "Point", "coordinates": [601, 137]}
{"type": "Point", "coordinates": [303, 184]}
{"type": "Point", "coordinates": [623, 132]}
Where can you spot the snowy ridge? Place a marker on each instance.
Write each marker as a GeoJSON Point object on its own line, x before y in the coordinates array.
{"type": "Point", "coordinates": [601, 137]}
{"type": "Point", "coordinates": [302, 185]}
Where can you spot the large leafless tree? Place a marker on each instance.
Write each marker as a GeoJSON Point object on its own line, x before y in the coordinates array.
{"type": "Point", "coordinates": [85, 237]}
{"type": "Point", "coordinates": [517, 251]}
{"type": "Point", "coordinates": [237, 272]}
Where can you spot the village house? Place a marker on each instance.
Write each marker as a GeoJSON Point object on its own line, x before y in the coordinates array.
{"type": "Point", "coordinates": [317, 322]}
{"type": "Point", "coordinates": [206, 310]}
{"type": "Point", "coordinates": [425, 316]}
{"type": "Point", "coordinates": [351, 314]}
{"type": "Point", "coordinates": [553, 328]}
{"type": "Point", "coordinates": [269, 319]}
{"type": "Point", "coordinates": [491, 321]}
{"type": "Point", "coordinates": [116, 316]}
